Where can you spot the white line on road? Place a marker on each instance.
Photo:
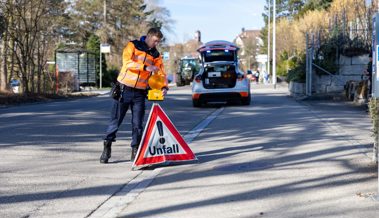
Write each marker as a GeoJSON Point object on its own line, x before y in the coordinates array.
{"type": "Point", "coordinates": [191, 135]}
{"type": "Point", "coordinates": [117, 203]}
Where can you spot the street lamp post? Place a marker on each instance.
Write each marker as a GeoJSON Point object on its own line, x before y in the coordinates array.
{"type": "Point", "coordinates": [101, 71]}
{"type": "Point", "coordinates": [375, 58]}
{"type": "Point", "coordinates": [269, 37]}
{"type": "Point", "coordinates": [101, 64]}
{"type": "Point", "coordinates": [274, 46]}
{"type": "Point", "coordinates": [105, 12]}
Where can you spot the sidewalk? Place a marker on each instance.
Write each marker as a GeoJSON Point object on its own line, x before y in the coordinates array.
{"type": "Point", "coordinates": [16, 100]}
{"type": "Point", "coordinates": [95, 91]}
{"type": "Point", "coordinates": [277, 158]}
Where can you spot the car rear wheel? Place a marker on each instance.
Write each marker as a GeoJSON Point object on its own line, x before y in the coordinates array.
{"type": "Point", "coordinates": [246, 100]}
{"type": "Point", "coordinates": [196, 103]}
{"type": "Point", "coordinates": [179, 81]}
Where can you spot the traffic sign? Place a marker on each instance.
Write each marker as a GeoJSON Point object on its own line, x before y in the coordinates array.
{"type": "Point", "coordinates": [161, 142]}
{"type": "Point", "coordinates": [105, 48]}
{"type": "Point", "coordinates": [261, 58]}
{"type": "Point", "coordinates": [166, 55]}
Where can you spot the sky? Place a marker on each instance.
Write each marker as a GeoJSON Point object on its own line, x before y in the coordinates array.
{"type": "Point", "coordinates": [216, 19]}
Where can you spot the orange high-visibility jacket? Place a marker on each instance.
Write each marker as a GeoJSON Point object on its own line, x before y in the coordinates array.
{"type": "Point", "coordinates": [136, 56]}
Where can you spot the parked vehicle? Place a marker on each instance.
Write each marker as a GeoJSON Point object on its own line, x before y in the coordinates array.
{"type": "Point", "coordinates": [220, 79]}
{"type": "Point", "coordinates": [188, 67]}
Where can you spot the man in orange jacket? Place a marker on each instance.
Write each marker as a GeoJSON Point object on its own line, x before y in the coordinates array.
{"type": "Point", "coordinates": [140, 60]}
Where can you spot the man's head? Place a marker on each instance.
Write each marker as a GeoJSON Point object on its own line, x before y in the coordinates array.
{"type": "Point", "coordinates": [153, 37]}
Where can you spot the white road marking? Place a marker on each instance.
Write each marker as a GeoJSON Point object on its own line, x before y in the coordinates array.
{"type": "Point", "coordinates": [117, 203]}
{"type": "Point", "coordinates": [191, 135]}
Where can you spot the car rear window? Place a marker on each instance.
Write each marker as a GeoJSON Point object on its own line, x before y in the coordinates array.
{"type": "Point", "coordinates": [218, 55]}
{"type": "Point", "coordinates": [220, 68]}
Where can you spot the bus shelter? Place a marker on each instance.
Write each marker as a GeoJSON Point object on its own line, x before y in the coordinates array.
{"type": "Point", "coordinates": [77, 67]}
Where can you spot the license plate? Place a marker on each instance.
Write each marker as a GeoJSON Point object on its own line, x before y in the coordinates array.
{"type": "Point", "coordinates": [214, 74]}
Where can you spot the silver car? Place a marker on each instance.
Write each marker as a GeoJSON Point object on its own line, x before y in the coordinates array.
{"type": "Point", "coordinates": [220, 79]}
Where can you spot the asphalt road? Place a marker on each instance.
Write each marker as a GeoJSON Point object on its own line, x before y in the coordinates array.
{"type": "Point", "coordinates": [50, 154]}
{"type": "Point", "coordinates": [274, 158]}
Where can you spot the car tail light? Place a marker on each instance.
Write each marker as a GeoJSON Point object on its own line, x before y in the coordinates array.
{"type": "Point", "coordinates": [195, 96]}
{"type": "Point", "coordinates": [198, 78]}
{"type": "Point", "coordinates": [227, 75]}
{"type": "Point", "coordinates": [244, 94]}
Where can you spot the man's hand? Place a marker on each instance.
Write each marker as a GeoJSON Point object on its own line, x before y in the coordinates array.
{"type": "Point", "coordinates": [151, 68]}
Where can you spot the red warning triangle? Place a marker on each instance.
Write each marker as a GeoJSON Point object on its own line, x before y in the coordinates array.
{"type": "Point", "coordinates": [161, 142]}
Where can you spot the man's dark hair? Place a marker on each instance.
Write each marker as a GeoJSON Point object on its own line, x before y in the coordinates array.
{"type": "Point", "coordinates": [155, 32]}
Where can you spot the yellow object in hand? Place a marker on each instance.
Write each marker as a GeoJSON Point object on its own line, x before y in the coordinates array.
{"type": "Point", "coordinates": [155, 95]}
{"type": "Point", "coordinates": [156, 81]}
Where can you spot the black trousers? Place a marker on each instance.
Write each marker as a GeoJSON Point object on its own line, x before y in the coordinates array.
{"type": "Point", "coordinates": [135, 100]}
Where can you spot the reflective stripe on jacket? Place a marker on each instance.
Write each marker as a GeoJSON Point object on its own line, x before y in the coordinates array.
{"type": "Point", "coordinates": [135, 57]}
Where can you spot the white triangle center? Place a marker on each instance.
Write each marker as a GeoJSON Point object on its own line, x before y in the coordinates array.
{"type": "Point", "coordinates": [162, 142]}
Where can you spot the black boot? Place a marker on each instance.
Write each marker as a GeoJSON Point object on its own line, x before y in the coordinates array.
{"type": "Point", "coordinates": [106, 152]}
{"type": "Point", "coordinates": [134, 153]}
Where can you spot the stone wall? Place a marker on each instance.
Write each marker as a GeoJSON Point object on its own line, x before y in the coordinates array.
{"type": "Point", "coordinates": [351, 68]}
{"type": "Point", "coordinates": [296, 89]}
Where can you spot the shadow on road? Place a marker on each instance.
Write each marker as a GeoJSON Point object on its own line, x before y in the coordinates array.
{"type": "Point", "coordinates": [274, 124]}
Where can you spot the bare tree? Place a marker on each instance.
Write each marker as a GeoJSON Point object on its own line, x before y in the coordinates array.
{"type": "Point", "coordinates": [29, 23]}
{"type": "Point", "coordinates": [34, 28]}
{"type": "Point", "coordinates": [4, 49]}
{"type": "Point", "coordinates": [119, 26]}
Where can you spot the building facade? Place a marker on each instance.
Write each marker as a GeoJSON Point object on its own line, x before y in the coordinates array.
{"type": "Point", "coordinates": [250, 43]}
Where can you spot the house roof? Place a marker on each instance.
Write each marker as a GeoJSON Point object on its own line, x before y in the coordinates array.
{"type": "Point", "coordinates": [249, 34]}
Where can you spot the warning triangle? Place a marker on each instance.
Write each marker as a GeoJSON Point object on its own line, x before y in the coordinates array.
{"type": "Point", "coordinates": [161, 142]}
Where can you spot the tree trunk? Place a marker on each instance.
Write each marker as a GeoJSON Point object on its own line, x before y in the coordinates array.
{"type": "Point", "coordinates": [12, 57]}
{"type": "Point", "coordinates": [39, 68]}
{"type": "Point", "coordinates": [2, 75]}
{"type": "Point", "coordinates": [4, 68]}
{"type": "Point", "coordinates": [1, 61]}
{"type": "Point", "coordinates": [31, 71]}
{"type": "Point", "coordinates": [24, 72]}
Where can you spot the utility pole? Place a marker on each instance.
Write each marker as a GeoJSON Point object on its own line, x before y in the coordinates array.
{"type": "Point", "coordinates": [101, 54]}
{"type": "Point", "coordinates": [274, 46]}
{"type": "Point", "coordinates": [375, 59]}
{"type": "Point", "coordinates": [269, 38]}
{"type": "Point", "coordinates": [105, 12]}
